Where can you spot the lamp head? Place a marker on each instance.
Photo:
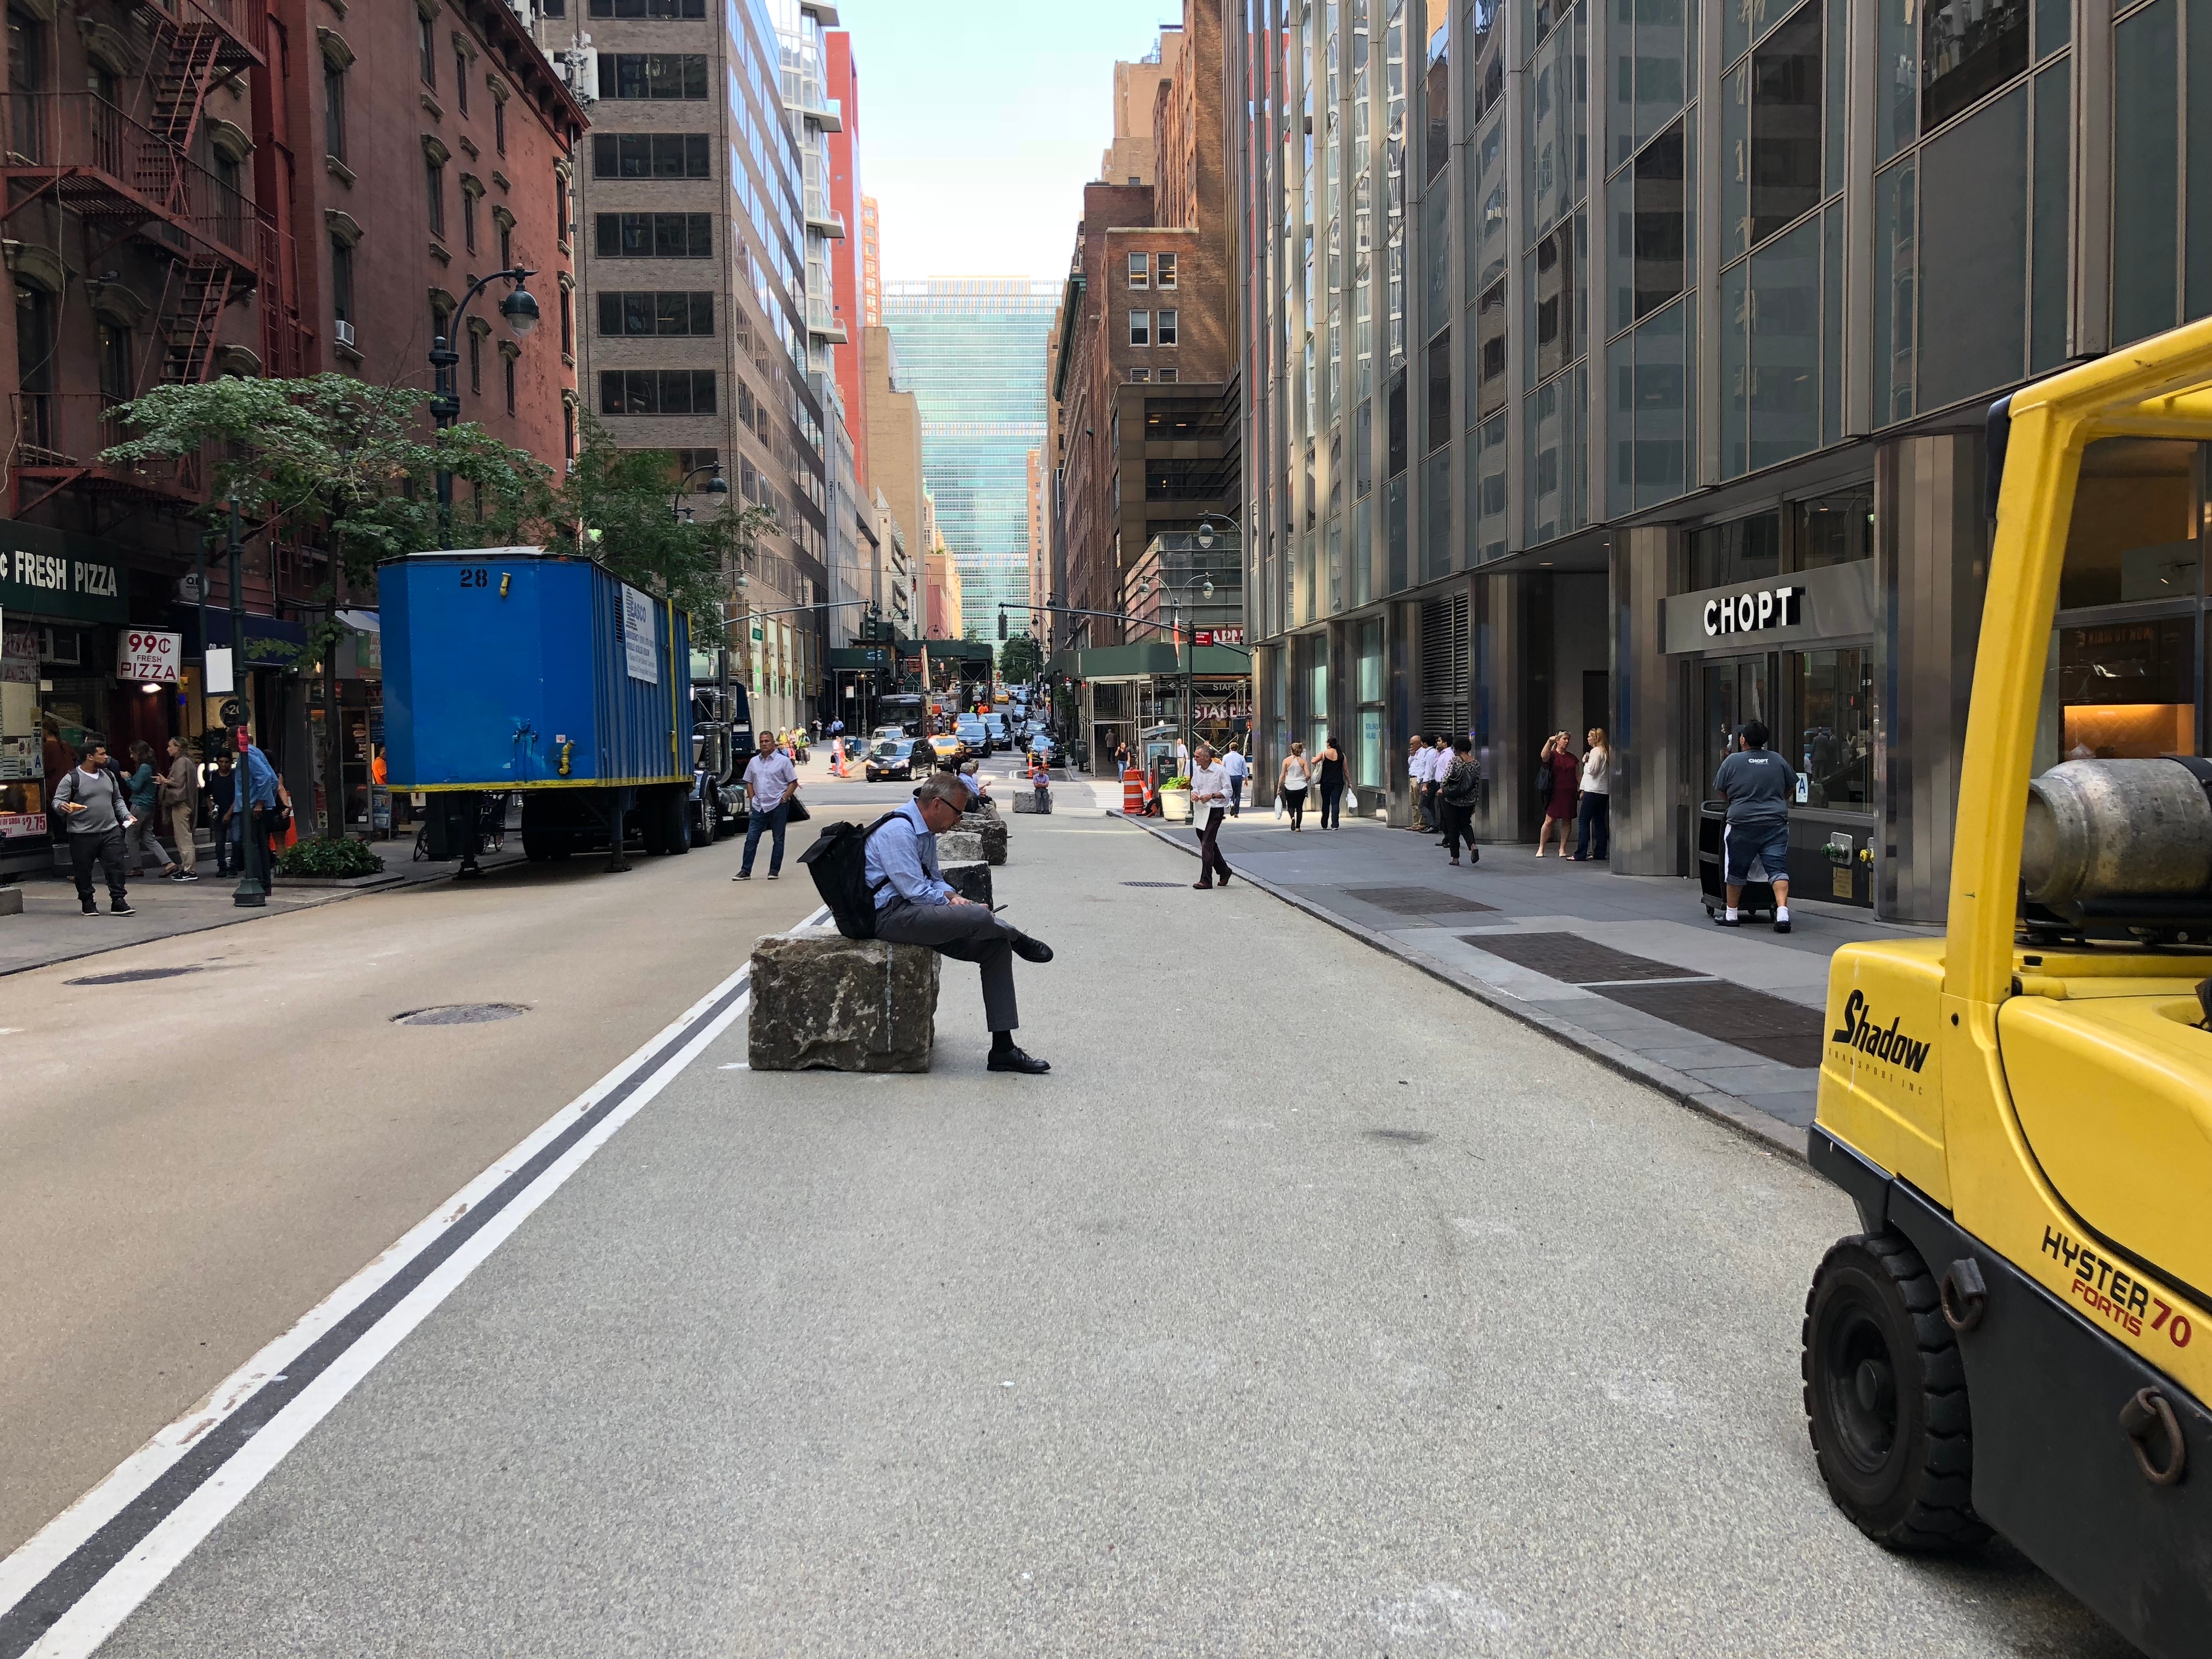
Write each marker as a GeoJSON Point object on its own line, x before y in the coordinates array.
{"type": "Point", "coordinates": [1205, 535]}
{"type": "Point", "coordinates": [718, 485]}
{"type": "Point", "coordinates": [1208, 589]}
{"type": "Point", "coordinates": [521, 310]}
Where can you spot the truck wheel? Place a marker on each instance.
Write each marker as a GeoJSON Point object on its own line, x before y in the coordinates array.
{"type": "Point", "coordinates": [1886, 1398]}
{"type": "Point", "coordinates": [676, 815]}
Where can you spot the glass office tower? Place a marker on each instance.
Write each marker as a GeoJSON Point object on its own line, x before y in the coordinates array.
{"type": "Point", "coordinates": [969, 348]}
{"type": "Point", "coordinates": [1570, 330]}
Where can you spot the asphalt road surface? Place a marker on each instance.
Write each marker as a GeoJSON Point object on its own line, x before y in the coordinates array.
{"type": "Point", "coordinates": [1306, 1308]}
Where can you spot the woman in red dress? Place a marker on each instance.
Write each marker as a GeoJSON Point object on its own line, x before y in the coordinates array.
{"type": "Point", "coordinates": [1559, 758]}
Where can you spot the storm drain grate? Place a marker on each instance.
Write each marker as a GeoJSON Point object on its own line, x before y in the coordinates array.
{"type": "Point", "coordinates": [132, 976]}
{"type": "Point", "coordinates": [1415, 901]}
{"type": "Point", "coordinates": [1576, 960]}
{"type": "Point", "coordinates": [461, 1014]}
{"type": "Point", "coordinates": [1773, 1028]}
{"type": "Point", "coordinates": [1154, 884]}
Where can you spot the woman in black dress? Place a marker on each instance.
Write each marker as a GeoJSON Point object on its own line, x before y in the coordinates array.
{"type": "Point", "coordinates": [1331, 767]}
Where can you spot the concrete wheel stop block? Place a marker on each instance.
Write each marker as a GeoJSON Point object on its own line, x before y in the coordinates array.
{"type": "Point", "coordinates": [992, 829]}
{"type": "Point", "coordinates": [824, 1002]}
{"type": "Point", "coordinates": [971, 879]}
{"type": "Point", "coordinates": [11, 900]}
{"type": "Point", "coordinates": [958, 846]}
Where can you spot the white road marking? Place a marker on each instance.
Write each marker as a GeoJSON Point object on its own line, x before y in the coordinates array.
{"type": "Point", "coordinates": [97, 1615]}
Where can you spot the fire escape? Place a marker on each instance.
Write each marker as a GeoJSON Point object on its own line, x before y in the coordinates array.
{"type": "Point", "coordinates": [130, 178]}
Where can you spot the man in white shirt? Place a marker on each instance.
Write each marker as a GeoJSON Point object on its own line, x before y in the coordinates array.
{"type": "Point", "coordinates": [1209, 800]}
{"type": "Point", "coordinates": [771, 780]}
{"type": "Point", "coordinates": [1238, 769]}
{"type": "Point", "coordinates": [1416, 781]}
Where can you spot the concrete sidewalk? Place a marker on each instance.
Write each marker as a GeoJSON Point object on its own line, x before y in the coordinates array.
{"type": "Point", "coordinates": [1626, 967]}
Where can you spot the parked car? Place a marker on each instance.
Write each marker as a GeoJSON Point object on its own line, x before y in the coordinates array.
{"type": "Point", "coordinates": [891, 758]}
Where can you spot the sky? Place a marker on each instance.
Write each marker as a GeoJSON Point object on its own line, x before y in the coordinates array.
{"type": "Point", "coordinates": [980, 125]}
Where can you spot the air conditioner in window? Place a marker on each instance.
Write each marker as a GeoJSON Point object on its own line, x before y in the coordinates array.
{"type": "Point", "coordinates": [345, 333]}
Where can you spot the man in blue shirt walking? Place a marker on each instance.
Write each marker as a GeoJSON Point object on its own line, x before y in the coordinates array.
{"type": "Point", "coordinates": [914, 906]}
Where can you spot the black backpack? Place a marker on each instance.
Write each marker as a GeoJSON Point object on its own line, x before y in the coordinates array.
{"type": "Point", "coordinates": [838, 861]}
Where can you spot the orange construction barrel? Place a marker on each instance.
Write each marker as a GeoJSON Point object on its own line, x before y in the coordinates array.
{"type": "Point", "coordinates": [1132, 792]}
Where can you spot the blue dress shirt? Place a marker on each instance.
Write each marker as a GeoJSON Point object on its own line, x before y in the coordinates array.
{"type": "Point", "coordinates": [902, 857]}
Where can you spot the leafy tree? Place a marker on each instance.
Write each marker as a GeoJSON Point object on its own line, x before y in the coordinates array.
{"type": "Point", "coordinates": [335, 462]}
{"type": "Point", "coordinates": [1019, 660]}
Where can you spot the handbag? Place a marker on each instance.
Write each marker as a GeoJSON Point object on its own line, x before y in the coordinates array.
{"type": "Point", "coordinates": [1543, 784]}
{"type": "Point", "coordinates": [797, 814]}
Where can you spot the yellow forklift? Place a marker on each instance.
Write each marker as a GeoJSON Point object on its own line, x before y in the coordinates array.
{"type": "Point", "coordinates": [2020, 1340]}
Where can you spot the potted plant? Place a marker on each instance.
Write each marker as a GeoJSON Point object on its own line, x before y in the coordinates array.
{"type": "Point", "coordinates": [1175, 799]}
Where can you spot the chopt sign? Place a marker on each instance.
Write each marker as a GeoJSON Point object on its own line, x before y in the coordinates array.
{"type": "Point", "coordinates": [144, 653]}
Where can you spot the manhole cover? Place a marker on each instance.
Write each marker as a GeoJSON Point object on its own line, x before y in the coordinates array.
{"type": "Point", "coordinates": [130, 977]}
{"type": "Point", "coordinates": [1405, 1137]}
{"type": "Point", "coordinates": [461, 1014]}
{"type": "Point", "coordinates": [1153, 884]}
{"type": "Point", "coordinates": [1415, 901]}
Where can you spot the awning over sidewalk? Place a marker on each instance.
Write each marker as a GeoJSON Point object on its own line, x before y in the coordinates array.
{"type": "Point", "coordinates": [1151, 657]}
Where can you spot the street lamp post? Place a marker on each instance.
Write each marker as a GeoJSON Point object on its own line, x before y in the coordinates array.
{"type": "Point", "coordinates": [716, 485]}
{"type": "Point", "coordinates": [521, 310]}
{"type": "Point", "coordinates": [1188, 659]}
{"type": "Point", "coordinates": [253, 846]}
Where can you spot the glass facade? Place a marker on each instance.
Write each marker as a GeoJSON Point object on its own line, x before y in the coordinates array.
{"type": "Point", "coordinates": [969, 348]}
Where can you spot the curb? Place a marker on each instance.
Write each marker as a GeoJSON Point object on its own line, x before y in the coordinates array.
{"type": "Point", "coordinates": [1741, 1116]}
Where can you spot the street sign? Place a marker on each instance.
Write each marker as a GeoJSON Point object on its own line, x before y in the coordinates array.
{"type": "Point", "coordinates": [145, 653]}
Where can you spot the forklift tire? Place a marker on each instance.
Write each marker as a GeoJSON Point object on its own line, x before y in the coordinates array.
{"type": "Point", "coordinates": [1886, 1398]}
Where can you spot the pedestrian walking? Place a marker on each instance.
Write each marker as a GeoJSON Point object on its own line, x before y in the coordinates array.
{"type": "Point", "coordinates": [1239, 770]}
{"type": "Point", "coordinates": [1594, 827]}
{"type": "Point", "coordinates": [1756, 783]}
{"type": "Point", "coordinates": [142, 845]}
{"type": "Point", "coordinates": [1559, 777]}
{"type": "Point", "coordinates": [1456, 796]}
{"type": "Point", "coordinates": [1209, 800]}
{"type": "Point", "coordinates": [1417, 782]}
{"type": "Point", "coordinates": [1292, 783]}
{"type": "Point", "coordinates": [1331, 785]}
{"type": "Point", "coordinates": [914, 906]}
{"type": "Point", "coordinates": [771, 782]}
{"type": "Point", "coordinates": [180, 788]}
{"type": "Point", "coordinates": [222, 797]}
{"type": "Point", "coordinates": [98, 812]}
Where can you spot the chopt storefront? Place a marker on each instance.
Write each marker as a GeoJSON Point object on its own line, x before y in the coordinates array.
{"type": "Point", "coordinates": [66, 635]}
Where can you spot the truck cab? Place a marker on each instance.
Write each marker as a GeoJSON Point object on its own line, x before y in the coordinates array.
{"type": "Point", "coordinates": [2021, 1111]}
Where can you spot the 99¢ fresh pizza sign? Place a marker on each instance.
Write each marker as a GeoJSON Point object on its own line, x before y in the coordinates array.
{"type": "Point", "coordinates": [142, 654]}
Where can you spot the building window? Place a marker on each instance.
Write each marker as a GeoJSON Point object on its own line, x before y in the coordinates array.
{"type": "Point", "coordinates": [691, 313]}
{"type": "Point", "coordinates": [1140, 328]}
{"type": "Point", "coordinates": [1141, 375]}
{"type": "Point", "coordinates": [657, 391]}
{"type": "Point", "coordinates": [334, 111]}
{"type": "Point", "coordinates": [475, 362]}
{"type": "Point", "coordinates": [499, 123]}
{"type": "Point", "coordinates": [1167, 328]}
{"type": "Point", "coordinates": [115, 366]}
{"type": "Point", "coordinates": [568, 429]}
{"type": "Point", "coordinates": [434, 173]}
{"type": "Point", "coordinates": [675, 10]}
{"type": "Point", "coordinates": [426, 38]}
{"type": "Point", "coordinates": [1166, 375]}
{"type": "Point", "coordinates": [341, 281]}
{"type": "Point", "coordinates": [561, 207]}
{"type": "Point", "coordinates": [468, 217]}
{"type": "Point", "coordinates": [661, 74]}
{"type": "Point", "coordinates": [1785, 124]}
{"type": "Point", "coordinates": [567, 321]}
{"type": "Point", "coordinates": [510, 356]}
{"type": "Point", "coordinates": [505, 243]}
{"type": "Point", "coordinates": [26, 75]}
{"type": "Point", "coordinates": [651, 155]}
{"type": "Point", "coordinates": [657, 235]}
{"type": "Point", "coordinates": [1141, 269]}
{"type": "Point", "coordinates": [442, 312]}
{"type": "Point", "coordinates": [461, 79]}
{"type": "Point", "coordinates": [1165, 265]}
{"type": "Point", "coordinates": [1440, 397]}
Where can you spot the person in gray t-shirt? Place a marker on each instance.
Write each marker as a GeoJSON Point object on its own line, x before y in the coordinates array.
{"type": "Point", "coordinates": [1756, 783]}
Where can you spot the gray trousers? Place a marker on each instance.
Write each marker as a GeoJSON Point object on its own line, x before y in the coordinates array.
{"type": "Point", "coordinates": [966, 932]}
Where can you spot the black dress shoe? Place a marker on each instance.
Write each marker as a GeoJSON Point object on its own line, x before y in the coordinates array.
{"type": "Point", "coordinates": [1031, 950]}
{"type": "Point", "coordinates": [1013, 1059]}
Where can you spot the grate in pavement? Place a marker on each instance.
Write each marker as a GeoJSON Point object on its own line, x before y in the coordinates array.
{"type": "Point", "coordinates": [1415, 901]}
{"type": "Point", "coordinates": [1155, 883]}
{"type": "Point", "coordinates": [131, 977]}
{"type": "Point", "coordinates": [1574, 959]}
{"type": "Point", "coordinates": [461, 1014]}
{"type": "Point", "coordinates": [1787, 1033]}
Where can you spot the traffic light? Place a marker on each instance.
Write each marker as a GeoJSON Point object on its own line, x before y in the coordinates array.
{"type": "Point", "coordinates": [1002, 626]}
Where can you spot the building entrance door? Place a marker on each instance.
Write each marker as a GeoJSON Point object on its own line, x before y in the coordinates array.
{"type": "Point", "coordinates": [1735, 690]}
